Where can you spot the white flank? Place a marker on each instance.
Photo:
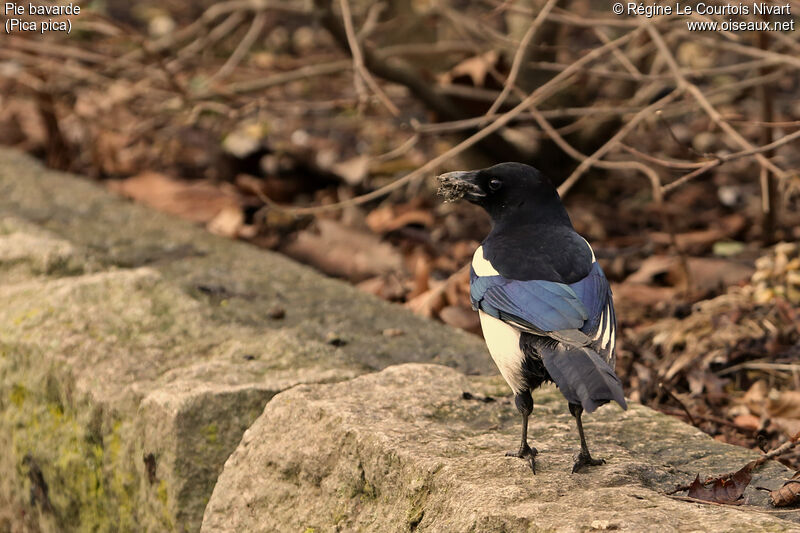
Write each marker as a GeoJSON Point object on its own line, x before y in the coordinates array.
{"type": "Point", "coordinates": [503, 343]}
{"type": "Point", "coordinates": [590, 249]}
{"type": "Point", "coordinates": [481, 265]}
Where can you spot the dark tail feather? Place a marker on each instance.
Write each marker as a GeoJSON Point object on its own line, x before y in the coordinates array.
{"type": "Point", "coordinates": [582, 376]}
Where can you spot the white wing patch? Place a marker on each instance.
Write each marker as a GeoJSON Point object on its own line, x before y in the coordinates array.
{"type": "Point", "coordinates": [605, 330]}
{"type": "Point", "coordinates": [481, 265]}
{"type": "Point", "coordinates": [503, 342]}
{"type": "Point", "coordinates": [599, 333]}
{"type": "Point", "coordinates": [613, 340]}
{"type": "Point", "coordinates": [590, 249]}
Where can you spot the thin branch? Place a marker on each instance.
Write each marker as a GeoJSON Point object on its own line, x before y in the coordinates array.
{"type": "Point", "coordinates": [620, 57]}
{"type": "Point", "coordinates": [751, 51]}
{"type": "Point", "coordinates": [302, 73]}
{"type": "Point", "coordinates": [371, 20]}
{"type": "Point", "coordinates": [59, 50]}
{"type": "Point", "coordinates": [780, 450]}
{"type": "Point", "coordinates": [222, 30]}
{"type": "Point", "coordinates": [704, 103]}
{"type": "Point", "coordinates": [519, 55]}
{"type": "Point", "coordinates": [668, 163]}
{"type": "Point", "coordinates": [243, 47]}
{"type": "Point", "coordinates": [360, 73]}
{"type": "Point", "coordinates": [400, 150]}
{"type": "Point", "coordinates": [768, 182]}
{"type": "Point", "coordinates": [678, 401]}
{"type": "Point", "coordinates": [536, 96]}
{"type": "Point", "coordinates": [614, 141]}
{"type": "Point", "coordinates": [468, 123]}
{"type": "Point", "coordinates": [730, 157]}
{"type": "Point", "coordinates": [655, 181]}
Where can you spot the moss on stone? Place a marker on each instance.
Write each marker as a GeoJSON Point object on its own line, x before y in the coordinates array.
{"type": "Point", "coordinates": [211, 432]}
{"type": "Point", "coordinates": [88, 482]}
{"type": "Point", "coordinates": [163, 497]}
{"type": "Point", "coordinates": [101, 312]}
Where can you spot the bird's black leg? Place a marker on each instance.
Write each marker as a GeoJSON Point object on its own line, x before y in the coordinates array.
{"type": "Point", "coordinates": [584, 458]}
{"type": "Point", "coordinates": [524, 403]}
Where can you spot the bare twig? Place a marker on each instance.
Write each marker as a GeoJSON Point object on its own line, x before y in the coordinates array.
{"type": "Point", "coordinates": [754, 365]}
{"type": "Point", "coordinates": [678, 401]}
{"type": "Point", "coordinates": [768, 182]}
{"type": "Point", "coordinates": [519, 55]}
{"type": "Point", "coordinates": [59, 50]}
{"type": "Point", "coordinates": [668, 163]}
{"type": "Point", "coordinates": [371, 20]}
{"type": "Point", "coordinates": [243, 47]}
{"type": "Point", "coordinates": [400, 150]}
{"type": "Point", "coordinates": [720, 159]}
{"type": "Point", "coordinates": [358, 61]}
{"type": "Point", "coordinates": [219, 32]}
{"type": "Point", "coordinates": [748, 509]}
{"type": "Point", "coordinates": [360, 73]}
{"type": "Point", "coordinates": [537, 95]}
{"type": "Point", "coordinates": [707, 418]}
{"type": "Point", "coordinates": [302, 73]}
{"type": "Point", "coordinates": [614, 141]}
{"type": "Point", "coordinates": [655, 182]}
{"type": "Point", "coordinates": [780, 450]}
{"type": "Point", "coordinates": [752, 51]}
{"type": "Point", "coordinates": [468, 123]}
{"type": "Point", "coordinates": [705, 104]}
{"type": "Point", "coordinates": [618, 55]}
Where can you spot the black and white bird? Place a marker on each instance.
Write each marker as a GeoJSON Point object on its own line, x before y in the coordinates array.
{"type": "Point", "coordinates": [545, 305]}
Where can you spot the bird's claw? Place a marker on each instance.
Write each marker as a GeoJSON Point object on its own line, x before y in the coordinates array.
{"type": "Point", "coordinates": [584, 459]}
{"type": "Point", "coordinates": [526, 452]}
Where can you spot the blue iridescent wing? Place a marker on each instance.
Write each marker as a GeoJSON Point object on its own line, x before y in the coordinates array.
{"type": "Point", "coordinates": [580, 313]}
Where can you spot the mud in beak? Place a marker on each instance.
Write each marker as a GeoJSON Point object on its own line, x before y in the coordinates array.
{"type": "Point", "coordinates": [456, 185]}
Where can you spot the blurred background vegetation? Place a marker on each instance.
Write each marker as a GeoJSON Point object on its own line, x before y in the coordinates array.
{"type": "Point", "coordinates": [314, 129]}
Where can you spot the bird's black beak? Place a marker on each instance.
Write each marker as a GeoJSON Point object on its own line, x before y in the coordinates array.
{"type": "Point", "coordinates": [461, 184]}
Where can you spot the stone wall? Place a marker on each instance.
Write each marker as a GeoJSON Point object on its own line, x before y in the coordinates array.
{"type": "Point", "coordinates": [136, 350]}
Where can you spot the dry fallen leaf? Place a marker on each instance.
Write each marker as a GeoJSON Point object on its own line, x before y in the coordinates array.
{"type": "Point", "coordinates": [784, 404]}
{"type": "Point", "coordinates": [701, 241]}
{"type": "Point", "coordinates": [228, 222]}
{"type": "Point", "coordinates": [460, 317]}
{"type": "Point", "coordinates": [782, 407]}
{"type": "Point", "coordinates": [475, 67]}
{"type": "Point", "coordinates": [386, 286]}
{"type": "Point", "coordinates": [389, 218]}
{"type": "Point", "coordinates": [430, 302]}
{"type": "Point", "coordinates": [651, 268]}
{"type": "Point", "coordinates": [727, 489]}
{"type": "Point", "coordinates": [195, 201]}
{"type": "Point", "coordinates": [788, 494]}
{"type": "Point", "coordinates": [343, 251]}
{"type": "Point", "coordinates": [643, 295]}
{"type": "Point", "coordinates": [353, 171]}
{"type": "Point", "coordinates": [707, 273]}
{"type": "Point", "coordinates": [747, 421]}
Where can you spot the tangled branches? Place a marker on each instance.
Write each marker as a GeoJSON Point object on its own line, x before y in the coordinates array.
{"type": "Point", "coordinates": [512, 80]}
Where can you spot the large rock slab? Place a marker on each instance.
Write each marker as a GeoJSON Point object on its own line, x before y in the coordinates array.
{"type": "Point", "coordinates": [135, 349]}
{"type": "Point", "coordinates": [402, 450]}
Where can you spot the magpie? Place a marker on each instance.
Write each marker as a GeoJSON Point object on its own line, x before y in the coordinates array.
{"type": "Point", "coordinates": [545, 305]}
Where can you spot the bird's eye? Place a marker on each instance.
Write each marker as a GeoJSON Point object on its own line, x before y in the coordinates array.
{"type": "Point", "coordinates": [495, 185]}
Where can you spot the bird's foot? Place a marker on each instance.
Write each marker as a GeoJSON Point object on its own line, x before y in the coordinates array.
{"type": "Point", "coordinates": [584, 459]}
{"type": "Point", "coordinates": [528, 453]}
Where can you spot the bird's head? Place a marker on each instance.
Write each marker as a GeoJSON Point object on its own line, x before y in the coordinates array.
{"type": "Point", "coordinates": [504, 190]}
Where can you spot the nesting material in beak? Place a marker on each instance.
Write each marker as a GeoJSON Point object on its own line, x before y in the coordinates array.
{"type": "Point", "coordinates": [456, 185]}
